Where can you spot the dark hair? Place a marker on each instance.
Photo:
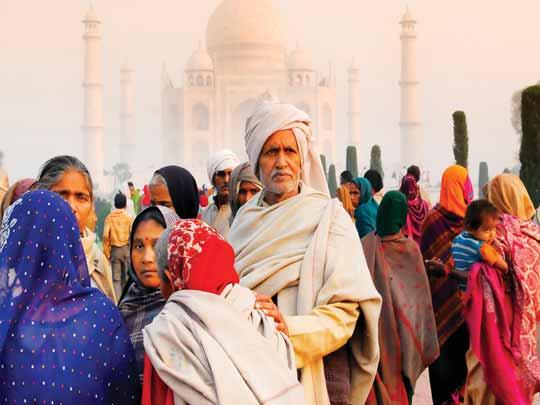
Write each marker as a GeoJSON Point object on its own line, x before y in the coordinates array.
{"type": "Point", "coordinates": [346, 177]}
{"type": "Point", "coordinates": [415, 172]}
{"type": "Point", "coordinates": [53, 169]}
{"type": "Point", "coordinates": [120, 201]}
{"type": "Point", "coordinates": [477, 211]}
{"type": "Point", "coordinates": [130, 184]}
{"type": "Point", "coordinates": [375, 179]}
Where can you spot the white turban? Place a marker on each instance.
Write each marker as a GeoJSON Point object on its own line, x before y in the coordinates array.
{"type": "Point", "coordinates": [222, 160]}
{"type": "Point", "coordinates": [272, 116]}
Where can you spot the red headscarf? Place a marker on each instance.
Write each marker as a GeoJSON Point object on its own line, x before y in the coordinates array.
{"type": "Point", "coordinates": [199, 258]}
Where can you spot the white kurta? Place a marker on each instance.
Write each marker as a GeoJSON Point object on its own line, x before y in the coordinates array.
{"type": "Point", "coordinates": [306, 251]}
{"type": "Point", "coordinates": [219, 219]}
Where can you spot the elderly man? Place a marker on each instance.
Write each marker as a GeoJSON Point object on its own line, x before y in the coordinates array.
{"type": "Point", "coordinates": [218, 213]}
{"type": "Point", "coordinates": [243, 186]}
{"type": "Point", "coordinates": [299, 250]}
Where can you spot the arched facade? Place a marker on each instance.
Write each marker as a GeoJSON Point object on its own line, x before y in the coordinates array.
{"type": "Point", "coordinates": [200, 117]}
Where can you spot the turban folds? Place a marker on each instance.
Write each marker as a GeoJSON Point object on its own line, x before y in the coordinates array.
{"type": "Point", "coordinates": [270, 117]}
{"type": "Point", "coordinates": [222, 160]}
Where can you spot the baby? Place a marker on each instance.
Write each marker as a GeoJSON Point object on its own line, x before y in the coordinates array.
{"type": "Point", "coordinates": [475, 243]}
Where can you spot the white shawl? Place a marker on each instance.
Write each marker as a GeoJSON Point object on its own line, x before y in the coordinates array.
{"type": "Point", "coordinates": [211, 349]}
{"type": "Point", "coordinates": [270, 117]}
{"type": "Point", "coordinates": [288, 244]}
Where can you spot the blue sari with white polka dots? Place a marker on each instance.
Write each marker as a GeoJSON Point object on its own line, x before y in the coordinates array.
{"type": "Point", "coordinates": [61, 341]}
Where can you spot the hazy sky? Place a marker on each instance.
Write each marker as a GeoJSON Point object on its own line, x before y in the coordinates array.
{"type": "Point", "coordinates": [472, 55]}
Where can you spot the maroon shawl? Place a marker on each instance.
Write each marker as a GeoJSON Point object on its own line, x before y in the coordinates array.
{"type": "Point", "coordinates": [418, 208]}
{"type": "Point", "coordinates": [439, 230]}
{"type": "Point", "coordinates": [407, 332]}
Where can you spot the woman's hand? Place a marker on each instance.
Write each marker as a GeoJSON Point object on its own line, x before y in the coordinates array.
{"type": "Point", "coordinates": [436, 267]}
{"type": "Point", "coordinates": [265, 304]}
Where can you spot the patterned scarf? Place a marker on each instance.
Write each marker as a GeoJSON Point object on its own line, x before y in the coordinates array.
{"type": "Point", "coordinates": [407, 332]}
{"type": "Point", "coordinates": [139, 305]}
{"type": "Point", "coordinates": [199, 258]}
{"type": "Point", "coordinates": [519, 242]}
{"type": "Point", "coordinates": [418, 208]}
{"type": "Point", "coordinates": [439, 230]}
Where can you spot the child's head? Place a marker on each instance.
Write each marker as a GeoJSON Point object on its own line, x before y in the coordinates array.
{"type": "Point", "coordinates": [481, 220]}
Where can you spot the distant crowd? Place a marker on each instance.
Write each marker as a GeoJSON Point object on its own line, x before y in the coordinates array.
{"type": "Point", "coordinates": [265, 289]}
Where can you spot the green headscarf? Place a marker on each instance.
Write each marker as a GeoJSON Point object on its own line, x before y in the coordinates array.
{"type": "Point", "coordinates": [392, 215]}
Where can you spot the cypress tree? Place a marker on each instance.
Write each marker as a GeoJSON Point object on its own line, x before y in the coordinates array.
{"type": "Point", "coordinates": [352, 160]}
{"type": "Point", "coordinates": [332, 180]}
{"type": "Point", "coordinates": [483, 178]}
{"type": "Point", "coordinates": [323, 161]}
{"type": "Point", "coordinates": [529, 154]}
{"type": "Point", "coordinates": [461, 139]}
{"type": "Point", "coordinates": [376, 160]}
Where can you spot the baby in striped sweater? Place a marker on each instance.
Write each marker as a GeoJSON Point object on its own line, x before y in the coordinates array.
{"type": "Point", "coordinates": [475, 243]}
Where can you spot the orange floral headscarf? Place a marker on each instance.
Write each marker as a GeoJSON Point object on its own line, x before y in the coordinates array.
{"type": "Point", "coordinates": [508, 193]}
{"type": "Point", "coordinates": [456, 190]}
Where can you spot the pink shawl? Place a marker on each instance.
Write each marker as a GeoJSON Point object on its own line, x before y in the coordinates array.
{"type": "Point", "coordinates": [490, 316]}
{"type": "Point", "coordinates": [519, 242]}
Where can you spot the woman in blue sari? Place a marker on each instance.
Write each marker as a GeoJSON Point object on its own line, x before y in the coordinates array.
{"type": "Point", "coordinates": [61, 341]}
{"type": "Point", "coordinates": [366, 214]}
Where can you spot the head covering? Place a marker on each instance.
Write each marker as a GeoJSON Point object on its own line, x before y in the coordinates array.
{"type": "Point", "coordinates": [182, 189]}
{"type": "Point", "coordinates": [50, 317]}
{"type": "Point", "coordinates": [366, 213]}
{"type": "Point", "coordinates": [456, 190]}
{"type": "Point", "coordinates": [272, 116]}
{"type": "Point", "coordinates": [508, 193]}
{"type": "Point", "coordinates": [418, 208]}
{"type": "Point", "coordinates": [221, 160]}
{"type": "Point", "coordinates": [199, 258]}
{"type": "Point", "coordinates": [344, 196]}
{"type": "Point", "coordinates": [392, 214]}
{"type": "Point", "coordinates": [241, 173]}
{"type": "Point", "coordinates": [14, 193]}
{"type": "Point", "coordinates": [139, 305]}
{"type": "Point", "coordinates": [409, 187]}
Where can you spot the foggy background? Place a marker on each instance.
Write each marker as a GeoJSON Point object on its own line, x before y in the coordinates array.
{"type": "Point", "coordinates": [472, 56]}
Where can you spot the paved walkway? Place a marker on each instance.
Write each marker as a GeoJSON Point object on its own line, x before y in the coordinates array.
{"type": "Point", "coordinates": [422, 394]}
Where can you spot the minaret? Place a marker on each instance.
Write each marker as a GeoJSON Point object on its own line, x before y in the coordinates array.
{"type": "Point", "coordinates": [409, 121]}
{"type": "Point", "coordinates": [92, 127]}
{"type": "Point", "coordinates": [353, 114]}
{"type": "Point", "coordinates": [127, 138]}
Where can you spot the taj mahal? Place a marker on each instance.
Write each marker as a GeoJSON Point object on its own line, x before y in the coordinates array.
{"type": "Point", "coordinates": [243, 59]}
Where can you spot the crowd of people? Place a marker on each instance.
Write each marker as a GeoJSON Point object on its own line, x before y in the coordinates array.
{"type": "Point", "coordinates": [273, 292]}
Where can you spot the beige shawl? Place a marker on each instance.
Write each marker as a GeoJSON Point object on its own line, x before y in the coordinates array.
{"type": "Point", "coordinates": [218, 218]}
{"type": "Point", "coordinates": [306, 251]}
{"type": "Point", "coordinates": [99, 268]}
{"type": "Point", "coordinates": [211, 349]}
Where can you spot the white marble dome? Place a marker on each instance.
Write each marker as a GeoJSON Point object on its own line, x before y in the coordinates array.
{"type": "Point", "coordinates": [246, 37]}
{"type": "Point", "coordinates": [200, 60]}
{"type": "Point", "coordinates": [245, 22]}
{"type": "Point", "coordinates": [300, 59]}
